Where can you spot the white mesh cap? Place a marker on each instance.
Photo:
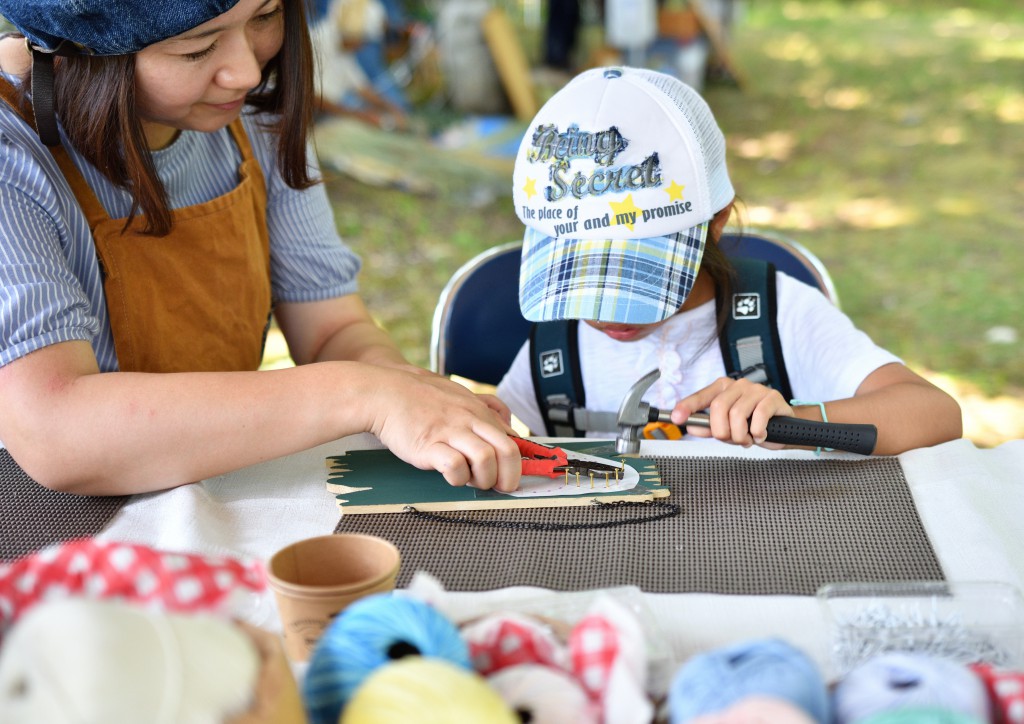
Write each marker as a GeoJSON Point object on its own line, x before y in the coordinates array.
{"type": "Point", "coordinates": [621, 153]}
{"type": "Point", "coordinates": [616, 181]}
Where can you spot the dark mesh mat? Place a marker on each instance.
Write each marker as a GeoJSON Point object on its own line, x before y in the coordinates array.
{"type": "Point", "coordinates": [745, 527]}
{"type": "Point", "coordinates": [33, 517]}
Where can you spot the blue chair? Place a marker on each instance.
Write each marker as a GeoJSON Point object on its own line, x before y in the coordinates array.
{"type": "Point", "coordinates": [789, 256]}
{"type": "Point", "coordinates": [478, 327]}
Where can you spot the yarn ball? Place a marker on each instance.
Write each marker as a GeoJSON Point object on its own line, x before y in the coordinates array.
{"type": "Point", "coordinates": [922, 716]}
{"type": "Point", "coordinates": [110, 661]}
{"type": "Point", "coordinates": [426, 691]}
{"type": "Point", "coordinates": [757, 710]}
{"type": "Point", "coordinates": [898, 680]}
{"type": "Point", "coordinates": [370, 633]}
{"type": "Point", "coordinates": [717, 679]}
{"type": "Point", "coordinates": [543, 695]}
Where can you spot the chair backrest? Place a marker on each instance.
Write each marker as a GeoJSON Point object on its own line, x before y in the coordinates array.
{"type": "Point", "coordinates": [789, 256]}
{"type": "Point", "coordinates": [478, 327]}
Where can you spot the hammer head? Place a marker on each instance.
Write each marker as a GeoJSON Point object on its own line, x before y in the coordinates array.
{"type": "Point", "coordinates": [633, 415]}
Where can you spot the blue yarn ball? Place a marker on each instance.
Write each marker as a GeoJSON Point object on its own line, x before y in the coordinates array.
{"type": "Point", "coordinates": [898, 680]}
{"type": "Point", "coordinates": [713, 681]}
{"type": "Point", "coordinates": [372, 632]}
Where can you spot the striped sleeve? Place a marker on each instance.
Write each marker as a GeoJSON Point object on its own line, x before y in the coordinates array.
{"type": "Point", "coordinates": [309, 260]}
{"type": "Point", "coordinates": [42, 301]}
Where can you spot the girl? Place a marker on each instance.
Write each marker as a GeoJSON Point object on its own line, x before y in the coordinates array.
{"type": "Point", "coordinates": [143, 252]}
{"type": "Point", "coordinates": [624, 189]}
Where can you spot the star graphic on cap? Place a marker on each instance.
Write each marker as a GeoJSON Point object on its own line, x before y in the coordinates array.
{"type": "Point", "coordinates": [627, 208]}
{"type": "Point", "coordinates": [530, 188]}
{"type": "Point", "coordinates": [675, 191]}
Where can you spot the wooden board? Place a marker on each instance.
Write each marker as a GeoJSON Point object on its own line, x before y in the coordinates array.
{"type": "Point", "coordinates": [713, 30]}
{"type": "Point", "coordinates": [510, 60]}
{"type": "Point", "coordinates": [376, 481]}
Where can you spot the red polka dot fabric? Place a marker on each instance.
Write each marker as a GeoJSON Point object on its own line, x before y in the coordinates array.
{"type": "Point", "coordinates": [1006, 690]}
{"type": "Point", "coordinates": [501, 641]}
{"type": "Point", "coordinates": [591, 655]}
{"type": "Point", "coordinates": [177, 582]}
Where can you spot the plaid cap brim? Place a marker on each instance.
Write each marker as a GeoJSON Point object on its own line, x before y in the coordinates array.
{"type": "Point", "coordinates": [625, 281]}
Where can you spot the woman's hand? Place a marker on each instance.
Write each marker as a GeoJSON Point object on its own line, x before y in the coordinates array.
{"type": "Point", "coordinates": [490, 400]}
{"type": "Point", "coordinates": [500, 408]}
{"type": "Point", "coordinates": [424, 418]}
{"type": "Point", "coordinates": [434, 423]}
{"type": "Point", "coordinates": [739, 411]}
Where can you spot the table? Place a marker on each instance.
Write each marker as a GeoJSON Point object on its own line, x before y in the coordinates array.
{"type": "Point", "coordinates": [970, 500]}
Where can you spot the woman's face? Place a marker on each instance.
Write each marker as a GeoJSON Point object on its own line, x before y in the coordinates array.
{"type": "Point", "coordinates": [198, 80]}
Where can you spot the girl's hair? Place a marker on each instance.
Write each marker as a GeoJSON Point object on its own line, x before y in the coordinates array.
{"type": "Point", "coordinates": [716, 263]}
{"type": "Point", "coordinates": [94, 97]}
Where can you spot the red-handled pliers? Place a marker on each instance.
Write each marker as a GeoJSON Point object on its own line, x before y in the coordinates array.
{"type": "Point", "coordinates": [538, 459]}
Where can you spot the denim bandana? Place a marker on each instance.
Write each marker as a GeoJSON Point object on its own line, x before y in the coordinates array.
{"type": "Point", "coordinates": [616, 180]}
{"type": "Point", "coordinates": [108, 27]}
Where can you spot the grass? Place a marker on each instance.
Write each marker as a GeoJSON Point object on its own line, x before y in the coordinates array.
{"type": "Point", "coordinates": [887, 137]}
{"type": "Point", "coordinates": [890, 139]}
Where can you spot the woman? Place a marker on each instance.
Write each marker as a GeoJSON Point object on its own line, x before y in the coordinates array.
{"type": "Point", "coordinates": [142, 254]}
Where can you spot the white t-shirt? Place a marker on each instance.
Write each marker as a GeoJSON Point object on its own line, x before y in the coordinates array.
{"type": "Point", "coordinates": [826, 357]}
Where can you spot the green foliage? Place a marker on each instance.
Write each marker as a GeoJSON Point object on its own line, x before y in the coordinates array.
{"type": "Point", "coordinates": [889, 138]}
{"type": "Point", "coordinates": [411, 244]}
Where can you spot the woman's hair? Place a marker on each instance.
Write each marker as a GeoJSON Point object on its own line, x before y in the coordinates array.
{"type": "Point", "coordinates": [95, 99]}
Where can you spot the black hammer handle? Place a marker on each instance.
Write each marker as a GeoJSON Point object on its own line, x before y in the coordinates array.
{"type": "Point", "coordinates": [853, 438]}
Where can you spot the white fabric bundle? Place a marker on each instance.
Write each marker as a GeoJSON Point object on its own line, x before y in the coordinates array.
{"type": "Point", "coordinates": [83, 661]}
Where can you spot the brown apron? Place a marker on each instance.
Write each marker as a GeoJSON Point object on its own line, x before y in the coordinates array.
{"type": "Point", "coordinates": [197, 299]}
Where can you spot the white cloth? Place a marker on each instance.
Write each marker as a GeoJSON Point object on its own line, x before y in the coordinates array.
{"type": "Point", "coordinates": [980, 492]}
{"type": "Point", "coordinates": [254, 511]}
{"type": "Point", "coordinates": [826, 356]}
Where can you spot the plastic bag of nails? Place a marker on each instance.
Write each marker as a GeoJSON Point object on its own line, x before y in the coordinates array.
{"type": "Point", "coordinates": [969, 622]}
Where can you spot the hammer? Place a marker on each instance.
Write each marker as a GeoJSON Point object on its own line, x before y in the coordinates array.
{"type": "Point", "coordinates": [634, 414]}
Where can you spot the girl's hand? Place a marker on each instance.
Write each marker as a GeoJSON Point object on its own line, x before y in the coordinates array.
{"type": "Point", "coordinates": [739, 411]}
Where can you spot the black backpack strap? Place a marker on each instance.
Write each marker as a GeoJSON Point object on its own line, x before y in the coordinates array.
{"type": "Point", "coordinates": [557, 380]}
{"type": "Point", "coordinates": [750, 340]}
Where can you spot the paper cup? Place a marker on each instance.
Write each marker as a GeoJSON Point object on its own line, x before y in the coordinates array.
{"type": "Point", "coordinates": [315, 579]}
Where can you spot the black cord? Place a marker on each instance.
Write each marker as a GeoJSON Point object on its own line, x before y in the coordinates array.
{"type": "Point", "coordinates": [667, 510]}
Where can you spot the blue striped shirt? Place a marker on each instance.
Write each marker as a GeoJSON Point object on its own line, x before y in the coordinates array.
{"type": "Point", "coordinates": [50, 285]}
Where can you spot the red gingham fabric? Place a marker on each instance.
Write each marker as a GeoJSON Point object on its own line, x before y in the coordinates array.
{"type": "Point", "coordinates": [106, 570]}
{"type": "Point", "coordinates": [1005, 690]}
{"type": "Point", "coordinates": [593, 648]}
{"type": "Point", "coordinates": [498, 642]}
